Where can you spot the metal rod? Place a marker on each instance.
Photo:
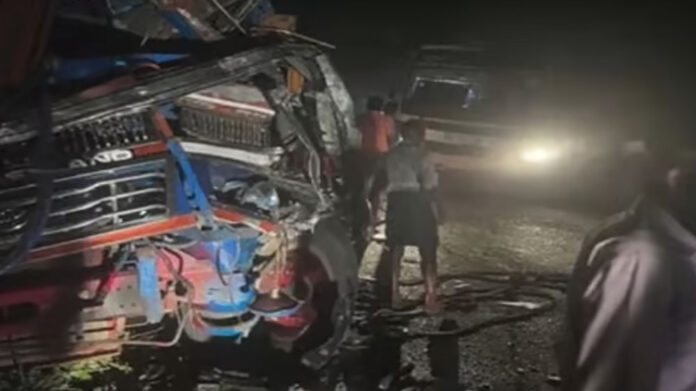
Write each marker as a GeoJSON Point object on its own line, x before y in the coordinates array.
{"type": "Point", "coordinates": [229, 16]}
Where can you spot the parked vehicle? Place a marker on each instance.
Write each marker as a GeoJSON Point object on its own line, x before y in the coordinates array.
{"type": "Point", "coordinates": [493, 116]}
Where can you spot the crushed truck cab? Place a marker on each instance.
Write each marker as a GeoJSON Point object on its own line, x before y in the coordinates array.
{"type": "Point", "coordinates": [208, 195]}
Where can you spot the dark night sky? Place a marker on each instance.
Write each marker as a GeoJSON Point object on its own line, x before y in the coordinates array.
{"type": "Point", "coordinates": [394, 23]}
{"type": "Point", "coordinates": [616, 59]}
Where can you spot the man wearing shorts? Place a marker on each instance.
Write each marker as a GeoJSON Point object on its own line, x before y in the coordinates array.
{"type": "Point", "coordinates": [413, 213]}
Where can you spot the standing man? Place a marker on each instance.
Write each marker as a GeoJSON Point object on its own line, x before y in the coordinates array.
{"type": "Point", "coordinates": [413, 211]}
{"type": "Point", "coordinates": [378, 134]}
{"type": "Point", "coordinates": [632, 294]}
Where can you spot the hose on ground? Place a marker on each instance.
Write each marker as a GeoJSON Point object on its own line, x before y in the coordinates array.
{"type": "Point", "coordinates": [548, 305]}
{"type": "Point", "coordinates": [531, 294]}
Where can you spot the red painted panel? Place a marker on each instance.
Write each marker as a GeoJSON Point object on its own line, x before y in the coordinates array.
{"type": "Point", "coordinates": [149, 149]}
{"type": "Point", "coordinates": [110, 238]}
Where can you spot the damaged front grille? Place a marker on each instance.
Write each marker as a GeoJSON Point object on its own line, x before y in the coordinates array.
{"type": "Point", "coordinates": [90, 203]}
{"type": "Point", "coordinates": [217, 128]}
{"type": "Point", "coordinates": [112, 132]}
{"type": "Point", "coordinates": [84, 143]}
{"type": "Point", "coordinates": [233, 114]}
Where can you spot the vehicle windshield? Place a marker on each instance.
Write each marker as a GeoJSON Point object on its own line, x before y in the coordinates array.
{"type": "Point", "coordinates": [499, 97]}
{"type": "Point", "coordinates": [436, 98]}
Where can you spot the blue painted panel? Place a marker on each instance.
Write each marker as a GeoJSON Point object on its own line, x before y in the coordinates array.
{"type": "Point", "coordinates": [180, 23]}
{"type": "Point", "coordinates": [66, 69]}
{"type": "Point", "coordinates": [148, 287]}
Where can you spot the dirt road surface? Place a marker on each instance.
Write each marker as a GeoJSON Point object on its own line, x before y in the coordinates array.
{"type": "Point", "coordinates": [484, 234]}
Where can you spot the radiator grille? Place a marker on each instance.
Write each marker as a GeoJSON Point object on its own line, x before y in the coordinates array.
{"type": "Point", "coordinates": [245, 131]}
{"type": "Point", "coordinates": [82, 141]}
{"type": "Point", "coordinates": [90, 203]}
{"type": "Point", "coordinates": [118, 131]}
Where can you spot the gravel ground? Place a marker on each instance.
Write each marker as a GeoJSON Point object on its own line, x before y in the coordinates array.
{"type": "Point", "coordinates": [498, 235]}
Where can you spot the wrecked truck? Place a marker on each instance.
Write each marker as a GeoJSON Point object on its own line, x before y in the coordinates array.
{"type": "Point", "coordinates": [209, 194]}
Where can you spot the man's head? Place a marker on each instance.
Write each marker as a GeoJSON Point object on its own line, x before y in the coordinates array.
{"type": "Point", "coordinates": [391, 108]}
{"type": "Point", "coordinates": [375, 103]}
{"type": "Point", "coordinates": [413, 132]}
{"type": "Point", "coordinates": [673, 173]}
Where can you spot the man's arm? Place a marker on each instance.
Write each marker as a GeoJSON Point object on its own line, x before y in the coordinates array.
{"type": "Point", "coordinates": [624, 314]}
{"type": "Point", "coordinates": [430, 182]}
{"type": "Point", "coordinates": [362, 123]}
{"type": "Point", "coordinates": [391, 131]}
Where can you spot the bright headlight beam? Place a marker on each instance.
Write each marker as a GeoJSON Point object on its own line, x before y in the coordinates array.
{"type": "Point", "coordinates": [538, 154]}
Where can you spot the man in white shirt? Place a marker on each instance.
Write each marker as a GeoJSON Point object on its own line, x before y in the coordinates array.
{"type": "Point", "coordinates": [413, 213]}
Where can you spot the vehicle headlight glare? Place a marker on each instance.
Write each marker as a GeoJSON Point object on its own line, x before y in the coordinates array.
{"type": "Point", "coordinates": [539, 154]}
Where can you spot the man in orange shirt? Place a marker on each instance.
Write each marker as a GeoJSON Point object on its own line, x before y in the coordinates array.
{"type": "Point", "coordinates": [378, 135]}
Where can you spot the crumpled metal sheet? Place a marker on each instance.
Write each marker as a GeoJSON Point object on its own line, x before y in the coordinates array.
{"type": "Point", "coordinates": [337, 90]}
{"type": "Point", "coordinates": [330, 132]}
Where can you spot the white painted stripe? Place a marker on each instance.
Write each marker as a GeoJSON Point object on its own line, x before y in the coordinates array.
{"type": "Point", "coordinates": [255, 158]}
{"type": "Point", "coordinates": [461, 138]}
{"type": "Point", "coordinates": [471, 124]}
{"type": "Point", "coordinates": [228, 103]}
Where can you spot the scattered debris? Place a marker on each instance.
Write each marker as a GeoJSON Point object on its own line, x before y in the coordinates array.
{"type": "Point", "coordinates": [553, 380]}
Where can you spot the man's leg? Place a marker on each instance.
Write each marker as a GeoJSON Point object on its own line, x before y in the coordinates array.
{"type": "Point", "coordinates": [428, 255]}
{"type": "Point", "coordinates": [378, 187]}
{"type": "Point", "coordinates": [387, 275]}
